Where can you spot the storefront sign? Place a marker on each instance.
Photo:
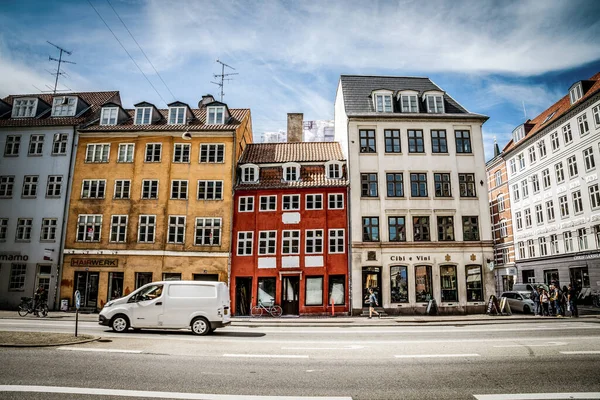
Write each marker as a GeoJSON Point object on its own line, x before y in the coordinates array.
{"type": "Point", "coordinates": [586, 257]}
{"type": "Point", "coordinates": [13, 257]}
{"type": "Point", "coordinates": [404, 258]}
{"type": "Point", "coordinates": [94, 262]}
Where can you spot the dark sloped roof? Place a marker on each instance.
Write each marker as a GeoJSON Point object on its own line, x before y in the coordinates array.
{"type": "Point", "coordinates": [261, 153]}
{"type": "Point", "coordinates": [311, 176]}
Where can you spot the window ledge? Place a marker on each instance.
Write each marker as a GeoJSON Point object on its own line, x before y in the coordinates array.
{"type": "Point", "coordinates": [419, 198]}
{"type": "Point", "coordinates": [393, 153]}
{"type": "Point", "coordinates": [417, 153]}
{"type": "Point", "coordinates": [465, 154]}
{"type": "Point", "coordinates": [439, 154]}
{"type": "Point", "coordinates": [58, 154]}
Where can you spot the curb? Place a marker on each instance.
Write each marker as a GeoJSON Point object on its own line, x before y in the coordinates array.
{"type": "Point", "coordinates": [93, 339]}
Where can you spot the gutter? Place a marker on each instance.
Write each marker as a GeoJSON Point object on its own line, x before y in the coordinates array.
{"type": "Point", "coordinates": [348, 222]}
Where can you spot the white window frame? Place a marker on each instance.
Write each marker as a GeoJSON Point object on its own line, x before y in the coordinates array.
{"type": "Point", "coordinates": [269, 203]}
{"type": "Point", "coordinates": [525, 188]}
{"type": "Point", "coordinates": [577, 202]}
{"type": "Point", "coordinates": [207, 189]}
{"type": "Point", "coordinates": [588, 159]}
{"type": "Point", "coordinates": [54, 184]}
{"type": "Point", "coordinates": [294, 237]}
{"type": "Point", "coordinates": [528, 219]}
{"type": "Point", "coordinates": [245, 240]}
{"type": "Point", "coordinates": [312, 238]}
{"type": "Point", "coordinates": [89, 220]}
{"type": "Point", "coordinates": [265, 243]}
{"type": "Point", "coordinates": [287, 172]}
{"type": "Point", "coordinates": [559, 172]}
{"type": "Point", "coordinates": [30, 186]}
{"type": "Point", "coordinates": [546, 180]}
{"type": "Point", "coordinates": [182, 150]}
{"type": "Point", "coordinates": [48, 230]}
{"type": "Point", "coordinates": [124, 155]}
{"type": "Point", "coordinates": [539, 214]}
{"type": "Point", "coordinates": [582, 122]}
{"type": "Point", "coordinates": [567, 134]}
{"type": "Point", "coordinates": [535, 183]}
{"type": "Point", "coordinates": [336, 201]}
{"type": "Point", "coordinates": [121, 191]}
{"type": "Point", "coordinates": [333, 169]}
{"type": "Point", "coordinates": [290, 200]}
{"type": "Point", "coordinates": [550, 210]}
{"type": "Point", "coordinates": [521, 247]}
{"type": "Point", "coordinates": [141, 114]}
{"type": "Point", "coordinates": [7, 185]}
{"type": "Point", "coordinates": [36, 145]}
{"type": "Point", "coordinates": [211, 227]}
{"type": "Point", "coordinates": [150, 223]}
{"type": "Point", "coordinates": [3, 229]}
{"type": "Point", "coordinates": [59, 144]}
{"type": "Point", "coordinates": [582, 239]}
{"type": "Point", "coordinates": [500, 202]}
{"type": "Point", "coordinates": [563, 206]}
{"type": "Point", "coordinates": [64, 106]}
{"type": "Point", "coordinates": [555, 141]}
{"type": "Point", "coordinates": [594, 193]}
{"type": "Point", "coordinates": [109, 116]}
{"type": "Point", "coordinates": [572, 166]}
{"type": "Point", "coordinates": [246, 204]}
{"type": "Point", "coordinates": [516, 193]}
{"type": "Point", "coordinates": [554, 249]}
{"type": "Point", "coordinates": [498, 178]}
{"type": "Point", "coordinates": [519, 220]}
{"type": "Point", "coordinates": [206, 148]}
{"type": "Point", "coordinates": [212, 115]}
{"type": "Point", "coordinates": [153, 147]}
{"type": "Point", "coordinates": [96, 189]}
{"type": "Point", "coordinates": [24, 107]}
{"type": "Point", "coordinates": [175, 222]}
{"type": "Point", "coordinates": [120, 223]}
{"type": "Point", "coordinates": [150, 184]}
{"type": "Point", "coordinates": [513, 166]}
{"type": "Point", "coordinates": [316, 198]}
{"type": "Point", "coordinates": [531, 248]}
{"type": "Point", "coordinates": [502, 228]}
{"type": "Point", "coordinates": [412, 102]}
{"type": "Point", "coordinates": [179, 185]}
{"type": "Point", "coordinates": [532, 155]}
{"type": "Point", "coordinates": [576, 93]}
{"type": "Point", "coordinates": [543, 246]}
{"type": "Point", "coordinates": [334, 237]}
{"type": "Point", "coordinates": [522, 163]}
{"type": "Point", "coordinates": [12, 146]}
{"type": "Point", "coordinates": [596, 113]}
{"type": "Point", "coordinates": [248, 172]}
{"type": "Point", "coordinates": [568, 241]}
{"type": "Point", "coordinates": [103, 155]}
{"type": "Point", "coordinates": [24, 229]}
{"type": "Point", "coordinates": [437, 105]}
{"type": "Point", "coordinates": [177, 115]}
{"type": "Point", "coordinates": [386, 104]}
{"type": "Point", "coordinates": [518, 134]}
{"type": "Point", "coordinates": [541, 145]}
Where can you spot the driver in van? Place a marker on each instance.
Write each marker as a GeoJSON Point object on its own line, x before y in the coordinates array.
{"type": "Point", "coordinates": [157, 292]}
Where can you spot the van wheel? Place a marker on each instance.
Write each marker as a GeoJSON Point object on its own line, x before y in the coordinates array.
{"type": "Point", "coordinates": [200, 326]}
{"type": "Point", "coordinates": [119, 323]}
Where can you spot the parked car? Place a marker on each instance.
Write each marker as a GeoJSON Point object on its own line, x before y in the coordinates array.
{"type": "Point", "coordinates": [519, 301]}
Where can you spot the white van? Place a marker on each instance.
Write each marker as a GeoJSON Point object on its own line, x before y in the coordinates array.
{"type": "Point", "coordinates": [199, 305]}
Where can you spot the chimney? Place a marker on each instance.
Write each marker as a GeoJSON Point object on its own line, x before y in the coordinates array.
{"type": "Point", "coordinates": [294, 127]}
{"type": "Point", "coordinates": [208, 98]}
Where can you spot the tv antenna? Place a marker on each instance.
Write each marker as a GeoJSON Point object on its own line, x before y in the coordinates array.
{"type": "Point", "coordinates": [223, 76]}
{"type": "Point", "coordinates": [59, 60]}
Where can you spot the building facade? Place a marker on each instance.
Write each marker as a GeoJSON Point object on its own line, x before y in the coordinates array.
{"type": "Point", "coordinates": [152, 198]}
{"type": "Point", "coordinates": [37, 137]}
{"type": "Point", "coordinates": [420, 221]}
{"type": "Point", "coordinates": [555, 193]}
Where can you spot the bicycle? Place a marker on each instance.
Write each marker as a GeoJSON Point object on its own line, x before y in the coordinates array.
{"type": "Point", "coordinates": [596, 299]}
{"type": "Point", "coordinates": [272, 309]}
{"type": "Point", "coordinates": [26, 307]}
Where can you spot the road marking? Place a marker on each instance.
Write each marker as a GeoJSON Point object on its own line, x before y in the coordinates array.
{"type": "Point", "coordinates": [580, 352]}
{"type": "Point", "coordinates": [351, 347]}
{"type": "Point", "coordinates": [537, 396]}
{"type": "Point", "coordinates": [266, 355]}
{"type": "Point", "coordinates": [98, 350]}
{"type": "Point", "coordinates": [152, 395]}
{"type": "Point", "coordinates": [437, 355]}
{"type": "Point", "coordinates": [535, 345]}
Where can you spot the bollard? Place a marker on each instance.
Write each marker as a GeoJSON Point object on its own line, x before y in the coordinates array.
{"type": "Point", "coordinates": [332, 307]}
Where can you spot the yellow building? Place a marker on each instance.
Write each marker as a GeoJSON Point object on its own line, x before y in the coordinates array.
{"type": "Point", "coordinates": [152, 198]}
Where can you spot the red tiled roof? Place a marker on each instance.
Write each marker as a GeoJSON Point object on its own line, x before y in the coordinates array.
{"type": "Point", "coordinates": [261, 153]}
{"type": "Point", "coordinates": [94, 99]}
{"type": "Point", "coordinates": [559, 108]}
{"type": "Point", "coordinates": [311, 176]}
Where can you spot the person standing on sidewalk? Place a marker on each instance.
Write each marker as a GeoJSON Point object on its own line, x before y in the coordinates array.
{"type": "Point", "coordinates": [372, 304]}
{"type": "Point", "coordinates": [535, 296]}
{"type": "Point", "coordinates": [545, 303]}
{"type": "Point", "coordinates": [555, 296]}
{"type": "Point", "coordinates": [572, 298]}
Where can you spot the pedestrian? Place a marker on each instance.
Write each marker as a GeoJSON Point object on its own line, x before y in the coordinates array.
{"type": "Point", "coordinates": [535, 296]}
{"type": "Point", "coordinates": [564, 294]}
{"type": "Point", "coordinates": [555, 296]}
{"type": "Point", "coordinates": [372, 304]}
{"type": "Point", "coordinates": [572, 298]}
{"type": "Point", "coordinates": [545, 300]}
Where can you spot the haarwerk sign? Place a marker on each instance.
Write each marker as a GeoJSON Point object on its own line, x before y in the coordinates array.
{"type": "Point", "coordinates": [94, 262]}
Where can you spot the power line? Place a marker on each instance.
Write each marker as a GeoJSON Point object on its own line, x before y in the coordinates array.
{"type": "Point", "coordinates": [140, 47]}
{"type": "Point", "coordinates": [136, 64]}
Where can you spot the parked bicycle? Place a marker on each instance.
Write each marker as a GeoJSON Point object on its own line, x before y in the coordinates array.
{"type": "Point", "coordinates": [260, 309]}
{"type": "Point", "coordinates": [26, 307]}
{"type": "Point", "coordinates": [596, 299]}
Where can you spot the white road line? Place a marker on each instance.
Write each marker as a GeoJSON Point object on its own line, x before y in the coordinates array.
{"type": "Point", "coordinates": [350, 347]}
{"type": "Point", "coordinates": [98, 350]}
{"type": "Point", "coordinates": [437, 355]}
{"type": "Point", "coordinates": [537, 396]}
{"type": "Point", "coordinates": [535, 345]}
{"type": "Point", "coordinates": [581, 352]}
{"type": "Point", "coordinates": [266, 355]}
{"type": "Point", "coordinates": [152, 395]}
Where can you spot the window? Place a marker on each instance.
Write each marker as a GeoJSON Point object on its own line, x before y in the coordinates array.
{"type": "Point", "coordinates": [513, 166]}
{"type": "Point", "coordinates": [439, 142]}
{"type": "Point", "coordinates": [516, 192]}
{"type": "Point", "coordinates": [539, 214]}
{"type": "Point", "coordinates": [314, 241]}
{"type": "Point", "coordinates": [582, 239]}
{"type": "Point", "coordinates": [409, 103]}
{"type": "Point", "coordinates": [542, 148]}
{"type": "Point", "coordinates": [143, 115]}
{"type": "Point", "coordinates": [336, 201]}
{"type": "Point", "coordinates": [48, 232]}
{"type": "Point", "coordinates": [266, 291]}
{"type": "Point", "coordinates": [89, 228]}
{"type": "Point", "coordinates": [3, 229]}
{"type": "Point", "coordinates": [435, 104]}
{"type": "Point", "coordinates": [470, 228]}
{"type": "Point", "coordinates": [267, 242]}
{"type": "Point", "coordinates": [290, 243]}
{"type": "Point", "coordinates": [518, 134]}
{"type": "Point", "coordinates": [244, 243]}
{"type": "Point", "coordinates": [474, 285]}
{"type": "Point", "coordinates": [442, 185]}
{"type": "Point", "coordinates": [500, 202]}
{"type": "Point", "coordinates": [268, 203]}
{"type": "Point", "coordinates": [93, 188]}
{"type": "Point", "coordinates": [291, 173]}
{"type": "Point", "coordinates": [395, 185]}
{"type": "Point", "coordinates": [122, 188]}
{"type": "Point", "coordinates": [125, 152]}
{"type": "Point", "coordinates": [521, 159]}
{"type": "Point", "coordinates": [210, 190]}
{"type": "Point", "coordinates": [594, 192]}
{"type": "Point", "coordinates": [176, 115]}
{"type": "Point", "coordinates": [596, 235]}
{"type": "Point", "coordinates": [535, 182]}
{"type": "Point", "coordinates": [567, 134]}
{"type": "Point", "coordinates": [24, 108]}
{"type": "Point", "coordinates": [54, 186]}
{"type": "Point", "coordinates": [448, 283]}
{"type": "Point", "coordinates": [336, 241]}
{"type": "Point", "coordinates": [212, 153]}
{"type": "Point", "coordinates": [153, 152]}
{"type": "Point", "coordinates": [466, 183]}
{"type": "Point", "coordinates": [314, 201]}
{"type": "Point", "coordinates": [525, 188]}
{"type": "Point", "coordinates": [527, 213]}
{"type": "Point", "coordinates": [421, 229]}
{"type": "Point", "coordinates": [423, 283]}
{"type": "Point", "coordinates": [63, 106]}
{"type": "Point", "coordinates": [334, 170]}
{"type": "Point", "coordinates": [397, 229]}
{"type": "Point", "coordinates": [588, 159]}
{"type": "Point", "coordinates": [502, 228]}
{"type": "Point", "coordinates": [208, 232]}
{"type": "Point", "coordinates": [146, 228]}
{"type": "Point", "coordinates": [179, 189]}
{"type": "Point", "coordinates": [383, 103]}
{"type": "Point", "coordinates": [521, 247]}
{"type": "Point", "coordinates": [250, 173]}
{"type": "Point", "coordinates": [337, 289]}
{"type": "Point", "coordinates": [370, 226]}
{"type": "Point", "coordinates": [560, 175]}
{"type": "Point", "coordinates": [546, 178]}
{"type": "Point", "coordinates": [291, 202]}
{"type": "Point", "coordinates": [30, 183]}
{"type": "Point", "coordinates": [369, 185]}
{"type": "Point", "coordinates": [149, 189]}
{"type": "Point", "coordinates": [532, 155]}
{"type": "Point", "coordinates": [418, 185]}
{"type": "Point", "coordinates": [531, 248]}
{"type": "Point", "coordinates": [564, 206]}
{"type": "Point", "coordinates": [392, 141]}
{"type": "Point", "coordinates": [463, 141]}
{"type": "Point", "coordinates": [596, 112]}
{"type": "Point", "coordinates": [181, 153]}
{"type": "Point", "coordinates": [445, 228]}
{"type": "Point", "coordinates": [215, 115]}
{"type": "Point", "coordinates": [550, 210]}
{"type": "Point", "coordinates": [568, 239]}
{"type": "Point", "coordinates": [584, 128]}
{"type": "Point", "coordinates": [554, 244]}
{"type": "Point", "coordinates": [246, 204]}
{"type": "Point", "coordinates": [577, 202]}
{"type": "Point", "coordinates": [575, 93]}
{"type": "Point", "coordinates": [59, 144]}
{"type": "Point", "coordinates": [18, 273]}
{"type": "Point", "coordinates": [118, 228]}
{"type": "Point", "coordinates": [519, 219]}
{"type": "Point", "coordinates": [415, 141]}
{"type": "Point", "coordinates": [36, 145]}
{"type": "Point", "coordinates": [554, 141]}
{"type": "Point", "coordinates": [314, 289]}
{"type": "Point", "coordinates": [399, 284]}
{"type": "Point", "coordinates": [367, 141]}
{"type": "Point", "coordinates": [97, 153]}
{"type": "Point", "coordinates": [115, 285]}
{"type": "Point", "coordinates": [12, 146]}
{"type": "Point", "coordinates": [543, 247]}
{"type": "Point", "coordinates": [109, 116]}
{"type": "Point", "coordinates": [498, 178]}
{"type": "Point", "coordinates": [572, 164]}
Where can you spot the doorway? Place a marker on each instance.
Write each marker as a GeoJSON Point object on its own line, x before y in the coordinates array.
{"type": "Point", "coordinates": [371, 279]}
{"type": "Point", "coordinates": [243, 296]}
{"type": "Point", "coordinates": [290, 302]}
{"type": "Point", "coordinates": [87, 284]}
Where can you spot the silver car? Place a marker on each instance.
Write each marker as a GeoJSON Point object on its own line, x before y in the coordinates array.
{"type": "Point", "coordinates": [519, 301]}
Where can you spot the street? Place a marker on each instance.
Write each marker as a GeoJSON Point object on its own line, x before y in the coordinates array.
{"type": "Point", "coordinates": [387, 361]}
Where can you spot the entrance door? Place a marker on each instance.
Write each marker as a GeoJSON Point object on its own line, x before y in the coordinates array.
{"type": "Point", "coordinates": [371, 279]}
{"type": "Point", "coordinates": [243, 296]}
{"type": "Point", "coordinates": [87, 284]}
{"type": "Point", "coordinates": [290, 302]}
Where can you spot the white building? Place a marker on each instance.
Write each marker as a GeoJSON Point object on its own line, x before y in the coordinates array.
{"type": "Point", "coordinates": [312, 131]}
{"type": "Point", "coordinates": [37, 137]}
{"type": "Point", "coordinates": [554, 190]}
{"type": "Point", "coordinates": [420, 220]}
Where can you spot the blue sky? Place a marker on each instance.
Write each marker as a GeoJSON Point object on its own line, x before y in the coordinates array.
{"type": "Point", "coordinates": [491, 56]}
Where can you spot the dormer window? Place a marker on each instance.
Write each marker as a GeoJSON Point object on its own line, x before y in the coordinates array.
{"type": "Point", "coordinates": [24, 108]}
{"type": "Point", "coordinates": [109, 116]}
{"type": "Point", "coordinates": [249, 173]}
{"type": "Point", "coordinates": [334, 169]}
{"type": "Point", "coordinates": [548, 117]}
{"type": "Point", "coordinates": [409, 103]}
{"type": "Point", "coordinates": [215, 115]}
{"type": "Point", "coordinates": [176, 115]}
{"type": "Point", "coordinates": [143, 115]}
{"type": "Point", "coordinates": [64, 106]}
{"type": "Point", "coordinates": [291, 172]}
{"type": "Point", "coordinates": [383, 102]}
{"type": "Point", "coordinates": [576, 93]}
{"type": "Point", "coordinates": [435, 103]}
{"type": "Point", "coordinates": [518, 134]}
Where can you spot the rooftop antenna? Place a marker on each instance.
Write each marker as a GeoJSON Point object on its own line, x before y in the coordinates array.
{"type": "Point", "coordinates": [59, 60]}
{"type": "Point", "coordinates": [223, 76]}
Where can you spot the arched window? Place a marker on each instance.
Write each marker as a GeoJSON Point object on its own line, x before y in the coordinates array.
{"type": "Point", "coordinates": [250, 173]}
{"type": "Point", "coordinates": [500, 202]}
{"type": "Point", "coordinates": [291, 172]}
{"type": "Point", "coordinates": [333, 169]}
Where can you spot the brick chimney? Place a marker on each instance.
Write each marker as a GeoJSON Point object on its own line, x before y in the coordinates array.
{"type": "Point", "coordinates": [294, 127]}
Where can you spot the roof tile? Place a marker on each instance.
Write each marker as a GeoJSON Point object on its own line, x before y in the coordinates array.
{"type": "Point", "coordinates": [262, 153]}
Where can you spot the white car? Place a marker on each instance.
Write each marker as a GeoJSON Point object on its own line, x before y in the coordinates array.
{"type": "Point", "coordinates": [519, 301]}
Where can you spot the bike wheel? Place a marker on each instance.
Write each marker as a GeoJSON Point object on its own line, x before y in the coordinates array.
{"type": "Point", "coordinates": [23, 310]}
{"type": "Point", "coordinates": [256, 311]}
{"type": "Point", "coordinates": [43, 311]}
{"type": "Point", "coordinates": [276, 311]}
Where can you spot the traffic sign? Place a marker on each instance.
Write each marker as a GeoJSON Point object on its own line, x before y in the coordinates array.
{"type": "Point", "coordinates": [77, 299]}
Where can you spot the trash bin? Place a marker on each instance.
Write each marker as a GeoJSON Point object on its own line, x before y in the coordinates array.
{"type": "Point", "coordinates": [64, 305]}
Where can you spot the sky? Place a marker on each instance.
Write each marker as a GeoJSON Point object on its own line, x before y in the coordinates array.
{"type": "Point", "coordinates": [509, 60]}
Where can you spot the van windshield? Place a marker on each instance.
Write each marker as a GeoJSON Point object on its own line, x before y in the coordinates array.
{"type": "Point", "coordinates": [147, 293]}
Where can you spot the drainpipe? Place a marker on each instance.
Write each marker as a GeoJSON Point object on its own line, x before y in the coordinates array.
{"type": "Point", "coordinates": [348, 222]}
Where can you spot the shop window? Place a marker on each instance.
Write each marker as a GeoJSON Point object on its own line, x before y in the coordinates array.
{"type": "Point", "coordinates": [337, 289]}
{"type": "Point", "coordinates": [171, 276]}
{"type": "Point", "coordinates": [266, 290]}
{"type": "Point", "coordinates": [508, 282]}
{"type": "Point", "coordinates": [423, 283]}
{"type": "Point", "coordinates": [206, 277]}
{"type": "Point", "coordinates": [448, 282]}
{"type": "Point", "coordinates": [142, 278]}
{"type": "Point", "coordinates": [17, 277]}
{"type": "Point", "coordinates": [115, 285]}
{"type": "Point", "coordinates": [314, 291]}
{"type": "Point", "coordinates": [399, 284]}
{"type": "Point", "coordinates": [551, 277]}
{"type": "Point", "coordinates": [528, 276]}
{"type": "Point", "coordinates": [474, 284]}
{"type": "Point", "coordinates": [580, 277]}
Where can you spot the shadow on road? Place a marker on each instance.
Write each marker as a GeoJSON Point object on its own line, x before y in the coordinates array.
{"type": "Point", "coordinates": [187, 332]}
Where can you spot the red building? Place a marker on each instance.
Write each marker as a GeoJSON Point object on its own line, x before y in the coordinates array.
{"type": "Point", "coordinates": [290, 229]}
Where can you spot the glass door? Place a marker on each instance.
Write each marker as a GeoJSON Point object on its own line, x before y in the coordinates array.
{"type": "Point", "coordinates": [87, 284]}
{"type": "Point", "coordinates": [371, 279]}
{"type": "Point", "coordinates": [290, 302]}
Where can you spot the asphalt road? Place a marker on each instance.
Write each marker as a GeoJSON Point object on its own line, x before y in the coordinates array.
{"type": "Point", "coordinates": [379, 362]}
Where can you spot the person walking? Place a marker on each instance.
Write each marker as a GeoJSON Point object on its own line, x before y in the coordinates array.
{"type": "Point", "coordinates": [372, 304]}
{"type": "Point", "coordinates": [556, 300]}
{"type": "Point", "coordinates": [572, 298]}
{"type": "Point", "coordinates": [535, 296]}
{"type": "Point", "coordinates": [545, 300]}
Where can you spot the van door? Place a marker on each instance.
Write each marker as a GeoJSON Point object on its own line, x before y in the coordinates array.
{"type": "Point", "coordinates": [147, 307]}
